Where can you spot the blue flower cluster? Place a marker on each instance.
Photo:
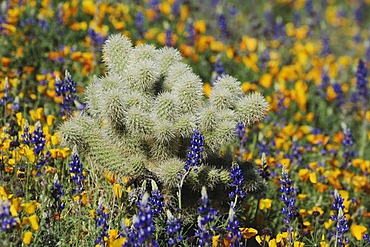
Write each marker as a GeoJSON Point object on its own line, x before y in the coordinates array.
{"type": "Point", "coordinates": [143, 227]}
{"type": "Point", "coordinates": [325, 82]}
{"type": "Point", "coordinates": [233, 228]}
{"type": "Point", "coordinates": [76, 171]}
{"type": "Point", "coordinates": [340, 97]}
{"type": "Point", "coordinates": [173, 230]}
{"type": "Point", "coordinates": [362, 82]}
{"type": "Point", "coordinates": [341, 225]}
{"type": "Point", "coordinates": [139, 22]}
{"type": "Point", "coordinates": [218, 70]}
{"type": "Point", "coordinates": [237, 179]}
{"type": "Point", "coordinates": [66, 89]}
{"type": "Point", "coordinates": [366, 238]}
{"type": "Point", "coordinates": [347, 142]}
{"type": "Point", "coordinates": [7, 221]}
{"type": "Point", "coordinates": [56, 193]}
{"type": "Point", "coordinates": [222, 24]}
{"type": "Point", "coordinates": [156, 200]}
{"type": "Point", "coordinates": [190, 33]}
{"type": "Point", "coordinates": [362, 93]}
{"type": "Point", "coordinates": [325, 47]}
{"type": "Point", "coordinates": [240, 132]}
{"type": "Point", "coordinates": [289, 198]}
{"type": "Point", "coordinates": [206, 218]}
{"type": "Point", "coordinates": [26, 134]}
{"type": "Point", "coordinates": [168, 40]}
{"type": "Point", "coordinates": [194, 158]}
{"type": "Point", "coordinates": [96, 38]}
{"type": "Point", "coordinates": [38, 139]}
{"type": "Point", "coordinates": [101, 222]}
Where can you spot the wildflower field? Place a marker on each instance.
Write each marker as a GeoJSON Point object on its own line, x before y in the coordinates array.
{"type": "Point", "coordinates": [184, 123]}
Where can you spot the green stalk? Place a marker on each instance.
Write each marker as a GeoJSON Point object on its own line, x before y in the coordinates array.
{"type": "Point", "coordinates": [364, 129]}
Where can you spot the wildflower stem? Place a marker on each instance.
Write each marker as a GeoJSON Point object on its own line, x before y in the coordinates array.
{"type": "Point", "coordinates": [180, 186]}
{"type": "Point", "coordinates": [363, 140]}
{"type": "Point", "coordinates": [235, 201]}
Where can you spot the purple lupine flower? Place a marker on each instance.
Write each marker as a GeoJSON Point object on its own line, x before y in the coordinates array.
{"type": "Point", "coordinates": [76, 171]}
{"type": "Point", "coordinates": [190, 33]}
{"type": "Point", "coordinates": [264, 57]}
{"type": "Point", "coordinates": [56, 193]}
{"type": "Point", "coordinates": [309, 8]}
{"type": "Point", "coordinates": [340, 97]}
{"type": "Point", "coordinates": [96, 38]}
{"type": "Point", "coordinates": [143, 226]}
{"type": "Point", "coordinates": [366, 238]}
{"type": "Point", "coordinates": [288, 197]}
{"type": "Point", "coordinates": [101, 221]}
{"type": "Point", "coordinates": [222, 25]}
{"type": "Point", "coordinates": [156, 200]}
{"type": "Point", "coordinates": [297, 154]}
{"type": "Point", "coordinates": [279, 30]}
{"type": "Point", "coordinates": [43, 24]}
{"type": "Point", "coordinates": [240, 132]}
{"type": "Point", "coordinates": [362, 83]}
{"type": "Point", "coordinates": [168, 39]}
{"type": "Point", "coordinates": [233, 228]}
{"type": "Point", "coordinates": [193, 162]}
{"type": "Point", "coordinates": [236, 177]}
{"type": "Point", "coordinates": [139, 22]}
{"type": "Point", "coordinates": [214, 3]}
{"type": "Point", "coordinates": [59, 15]}
{"type": "Point", "coordinates": [67, 89]}
{"type": "Point", "coordinates": [341, 225]}
{"type": "Point", "coordinates": [206, 218]}
{"type": "Point", "coordinates": [263, 147]}
{"type": "Point", "coordinates": [154, 5]}
{"type": "Point", "coordinates": [325, 45]}
{"type": "Point", "coordinates": [173, 230]}
{"type": "Point", "coordinates": [195, 156]}
{"type": "Point", "coordinates": [348, 142]}
{"type": "Point", "coordinates": [325, 82]}
{"type": "Point", "coordinates": [43, 160]}
{"type": "Point", "coordinates": [218, 70]}
{"type": "Point", "coordinates": [7, 221]}
{"type": "Point", "coordinates": [359, 12]}
{"type": "Point", "coordinates": [130, 233]}
{"type": "Point", "coordinates": [233, 11]}
{"type": "Point", "coordinates": [175, 8]}
{"type": "Point", "coordinates": [38, 139]}
{"type": "Point", "coordinates": [26, 134]}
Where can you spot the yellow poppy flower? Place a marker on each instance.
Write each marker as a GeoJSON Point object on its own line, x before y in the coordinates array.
{"type": "Point", "coordinates": [27, 237]}
{"type": "Point", "coordinates": [265, 204]}
{"type": "Point", "coordinates": [117, 189]}
{"type": "Point", "coordinates": [248, 232]}
{"type": "Point", "coordinates": [34, 221]}
{"type": "Point", "coordinates": [30, 207]}
{"type": "Point", "coordinates": [266, 80]}
{"type": "Point", "coordinates": [358, 231]}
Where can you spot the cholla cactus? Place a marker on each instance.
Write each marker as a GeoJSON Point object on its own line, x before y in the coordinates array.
{"type": "Point", "coordinates": [141, 115]}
